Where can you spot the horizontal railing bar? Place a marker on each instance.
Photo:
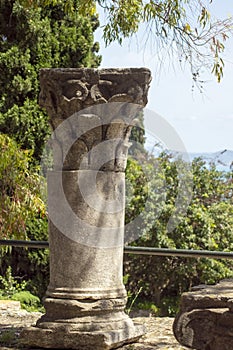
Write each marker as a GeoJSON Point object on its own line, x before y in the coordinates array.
{"type": "Point", "coordinates": [178, 252]}
{"type": "Point", "coordinates": [135, 250]}
{"type": "Point", "coordinates": [26, 244]}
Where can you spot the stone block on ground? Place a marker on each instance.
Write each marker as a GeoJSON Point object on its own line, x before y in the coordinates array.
{"type": "Point", "coordinates": [205, 320]}
{"type": "Point", "coordinates": [67, 339]}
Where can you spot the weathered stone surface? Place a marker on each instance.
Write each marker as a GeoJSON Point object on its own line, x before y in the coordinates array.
{"type": "Point", "coordinates": [9, 305]}
{"type": "Point", "coordinates": [205, 320]}
{"type": "Point", "coordinates": [65, 91]}
{"type": "Point", "coordinates": [71, 339]}
{"type": "Point", "coordinates": [88, 208]}
{"type": "Point", "coordinates": [18, 317]}
{"type": "Point", "coordinates": [92, 113]}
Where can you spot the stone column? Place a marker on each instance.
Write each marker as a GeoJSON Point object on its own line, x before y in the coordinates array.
{"type": "Point", "coordinates": [91, 113]}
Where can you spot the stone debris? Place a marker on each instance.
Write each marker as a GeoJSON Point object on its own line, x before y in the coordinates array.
{"type": "Point", "coordinates": [11, 315]}
{"type": "Point", "coordinates": [205, 318]}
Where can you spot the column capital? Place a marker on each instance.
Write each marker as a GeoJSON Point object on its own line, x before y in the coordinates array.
{"type": "Point", "coordinates": [92, 113]}
{"type": "Point", "coordinates": [65, 91]}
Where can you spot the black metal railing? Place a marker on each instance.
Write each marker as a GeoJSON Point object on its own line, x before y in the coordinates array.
{"type": "Point", "coordinates": [134, 250]}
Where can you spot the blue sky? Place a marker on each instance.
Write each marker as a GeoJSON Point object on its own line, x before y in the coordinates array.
{"type": "Point", "coordinates": [204, 122]}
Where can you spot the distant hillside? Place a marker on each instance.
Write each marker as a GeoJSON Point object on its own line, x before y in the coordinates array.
{"type": "Point", "coordinates": [222, 159]}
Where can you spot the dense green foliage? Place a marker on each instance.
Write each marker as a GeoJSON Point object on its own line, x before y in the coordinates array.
{"type": "Point", "coordinates": [21, 207]}
{"type": "Point", "coordinates": [207, 225]}
{"type": "Point", "coordinates": [31, 39]}
{"type": "Point", "coordinates": [22, 215]}
{"type": "Point", "coordinates": [183, 29]}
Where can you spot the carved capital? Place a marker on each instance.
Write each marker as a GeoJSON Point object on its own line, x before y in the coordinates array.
{"type": "Point", "coordinates": [92, 112]}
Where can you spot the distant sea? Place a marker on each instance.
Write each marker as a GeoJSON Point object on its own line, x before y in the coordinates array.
{"type": "Point", "coordinates": [223, 159]}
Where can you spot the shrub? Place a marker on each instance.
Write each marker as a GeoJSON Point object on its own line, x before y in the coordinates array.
{"type": "Point", "coordinates": [207, 225]}
{"type": "Point", "coordinates": [28, 301]}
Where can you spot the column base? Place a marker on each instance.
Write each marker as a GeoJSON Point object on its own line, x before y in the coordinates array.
{"type": "Point", "coordinates": [87, 323]}
{"type": "Point", "coordinates": [65, 338]}
{"type": "Point", "coordinates": [205, 320]}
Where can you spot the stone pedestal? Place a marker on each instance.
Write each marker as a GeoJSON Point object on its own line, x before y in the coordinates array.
{"type": "Point", "coordinates": [205, 320]}
{"type": "Point", "coordinates": [91, 113]}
